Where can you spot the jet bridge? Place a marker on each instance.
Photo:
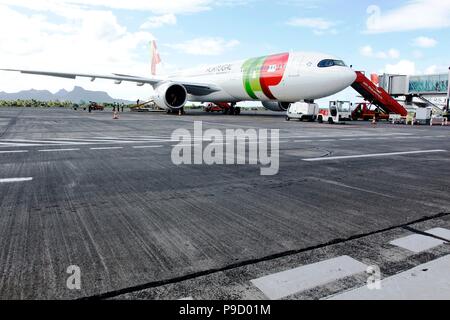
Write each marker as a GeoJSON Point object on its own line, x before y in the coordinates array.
{"type": "Point", "coordinates": [377, 95]}
{"type": "Point", "coordinates": [419, 86]}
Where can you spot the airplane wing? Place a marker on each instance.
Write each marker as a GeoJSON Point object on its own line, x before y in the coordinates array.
{"type": "Point", "coordinates": [197, 89]}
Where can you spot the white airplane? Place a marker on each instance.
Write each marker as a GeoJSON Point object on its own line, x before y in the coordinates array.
{"type": "Point", "coordinates": [276, 80]}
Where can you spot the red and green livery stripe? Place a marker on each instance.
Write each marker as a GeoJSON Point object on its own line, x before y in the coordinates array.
{"type": "Point", "coordinates": [262, 73]}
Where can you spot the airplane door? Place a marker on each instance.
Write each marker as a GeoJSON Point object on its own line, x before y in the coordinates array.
{"type": "Point", "coordinates": [295, 65]}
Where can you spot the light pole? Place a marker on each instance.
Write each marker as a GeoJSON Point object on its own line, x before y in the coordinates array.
{"type": "Point", "coordinates": [448, 91]}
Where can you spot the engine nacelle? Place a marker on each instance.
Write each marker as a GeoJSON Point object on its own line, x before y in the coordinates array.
{"type": "Point", "coordinates": [276, 106]}
{"type": "Point", "coordinates": [170, 95]}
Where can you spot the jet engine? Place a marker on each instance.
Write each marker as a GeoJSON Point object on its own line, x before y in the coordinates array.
{"type": "Point", "coordinates": [170, 95]}
{"type": "Point", "coordinates": [276, 106]}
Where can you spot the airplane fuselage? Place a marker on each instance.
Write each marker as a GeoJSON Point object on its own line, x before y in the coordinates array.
{"type": "Point", "coordinates": [286, 77]}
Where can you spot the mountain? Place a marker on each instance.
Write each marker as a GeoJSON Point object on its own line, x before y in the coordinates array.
{"type": "Point", "coordinates": [41, 95]}
{"type": "Point", "coordinates": [76, 95]}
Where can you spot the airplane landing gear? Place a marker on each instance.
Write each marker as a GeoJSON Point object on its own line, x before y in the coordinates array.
{"type": "Point", "coordinates": [179, 112]}
{"type": "Point", "coordinates": [234, 110]}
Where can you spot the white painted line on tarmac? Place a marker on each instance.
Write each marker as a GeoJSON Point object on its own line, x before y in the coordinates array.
{"type": "Point", "coordinates": [10, 180]}
{"type": "Point", "coordinates": [43, 141]}
{"type": "Point", "coordinates": [417, 243]}
{"type": "Point", "coordinates": [440, 232]}
{"type": "Point", "coordinates": [11, 144]}
{"type": "Point", "coordinates": [355, 135]}
{"type": "Point", "coordinates": [374, 155]}
{"type": "Point", "coordinates": [79, 140]}
{"type": "Point", "coordinates": [429, 281]}
{"type": "Point", "coordinates": [14, 151]}
{"type": "Point", "coordinates": [296, 141]}
{"type": "Point", "coordinates": [136, 139]}
{"type": "Point", "coordinates": [84, 141]}
{"type": "Point", "coordinates": [58, 150]}
{"type": "Point", "coordinates": [145, 147]}
{"type": "Point", "coordinates": [141, 137]}
{"type": "Point", "coordinates": [342, 185]}
{"type": "Point", "coordinates": [286, 283]}
{"type": "Point", "coordinates": [107, 148]}
{"type": "Point", "coordinates": [187, 145]}
{"type": "Point", "coordinates": [120, 140]}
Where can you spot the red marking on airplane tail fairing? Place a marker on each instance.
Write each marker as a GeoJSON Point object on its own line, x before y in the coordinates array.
{"type": "Point", "coordinates": [156, 59]}
{"type": "Point", "coordinates": [272, 72]}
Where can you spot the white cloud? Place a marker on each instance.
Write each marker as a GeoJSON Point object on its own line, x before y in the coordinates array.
{"type": "Point", "coordinates": [318, 25]}
{"type": "Point", "coordinates": [368, 51]}
{"type": "Point", "coordinates": [154, 6]}
{"type": "Point", "coordinates": [431, 69]}
{"type": "Point", "coordinates": [232, 3]}
{"type": "Point", "coordinates": [159, 21]}
{"type": "Point", "coordinates": [414, 15]}
{"type": "Point", "coordinates": [205, 46]}
{"type": "Point", "coordinates": [85, 36]}
{"type": "Point", "coordinates": [158, 7]}
{"type": "Point", "coordinates": [313, 23]}
{"type": "Point", "coordinates": [90, 41]}
{"type": "Point", "coordinates": [435, 69]}
{"type": "Point", "coordinates": [425, 42]}
{"type": "Point", "coordinates": [405, 67]}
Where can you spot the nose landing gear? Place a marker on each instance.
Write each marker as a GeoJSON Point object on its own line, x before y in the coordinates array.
{"type": "Point", "coordinates": [233, 110]}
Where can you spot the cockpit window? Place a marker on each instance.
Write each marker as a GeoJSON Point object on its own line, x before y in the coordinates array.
{"type": "Point", "coordinates": [331, 63]}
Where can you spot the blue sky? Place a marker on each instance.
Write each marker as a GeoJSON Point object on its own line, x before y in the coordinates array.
{"type": "Point", "coordinates": [406, 36]}
{"type": "Point", "coordinates": [262, 27]}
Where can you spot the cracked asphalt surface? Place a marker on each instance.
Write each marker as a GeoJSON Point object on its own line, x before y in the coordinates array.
{"type": "Point", "coordinates": [129, 218]}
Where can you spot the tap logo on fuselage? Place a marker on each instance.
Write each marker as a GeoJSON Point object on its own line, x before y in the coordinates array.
{"type": "Point", "coordinates": [259, 74]}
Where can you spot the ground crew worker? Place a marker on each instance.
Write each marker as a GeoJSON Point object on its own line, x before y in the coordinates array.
{"type": "Point", "coordinates": [377, 114]}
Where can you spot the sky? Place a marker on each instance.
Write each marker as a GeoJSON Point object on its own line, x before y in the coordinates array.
{"type": "Point", "coordinates": [112, 36]}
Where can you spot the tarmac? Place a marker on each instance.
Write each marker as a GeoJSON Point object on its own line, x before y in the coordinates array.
{"type": "Point", "coordinates": [81, 189]}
